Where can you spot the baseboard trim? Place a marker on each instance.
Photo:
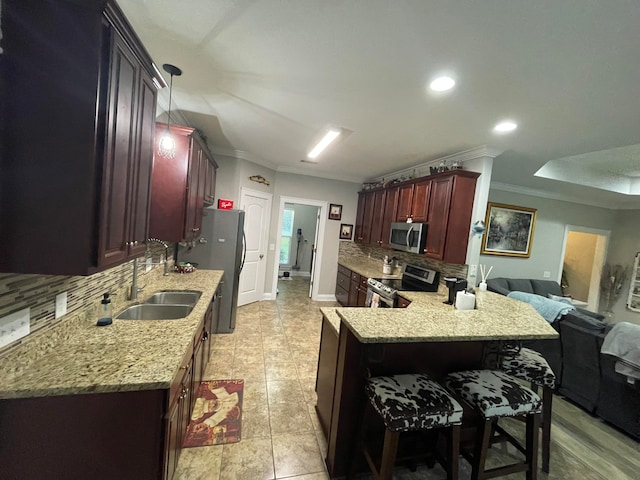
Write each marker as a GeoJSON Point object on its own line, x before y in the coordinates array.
{"type": "Point", "coordinates": [325, 298]}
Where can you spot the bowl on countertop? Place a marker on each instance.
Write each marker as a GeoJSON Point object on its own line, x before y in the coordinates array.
{"type": "Point", "coordinates": [185, 267]}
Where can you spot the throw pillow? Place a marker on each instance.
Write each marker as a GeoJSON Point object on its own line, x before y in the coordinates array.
{"type": "Point", "coordinates": [558, 298]}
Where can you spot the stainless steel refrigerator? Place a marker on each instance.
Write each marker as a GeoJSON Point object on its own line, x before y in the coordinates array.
{"type": "Point", "coordinates": [221, 246]}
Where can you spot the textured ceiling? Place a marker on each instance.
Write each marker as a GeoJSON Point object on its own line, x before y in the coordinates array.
{"type": "Point", "coordinates": [262, 79]}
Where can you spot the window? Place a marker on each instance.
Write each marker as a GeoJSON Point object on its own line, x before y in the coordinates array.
{"type": "Point", "coordinates": [287, 233]}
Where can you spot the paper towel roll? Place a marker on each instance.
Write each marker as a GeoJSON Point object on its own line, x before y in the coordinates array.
{"type": "Point", "coordinates": [465, 301]}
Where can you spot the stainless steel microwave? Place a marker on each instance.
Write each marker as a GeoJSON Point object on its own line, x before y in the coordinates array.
{"type": "Point", "coordinates": [408, 237]}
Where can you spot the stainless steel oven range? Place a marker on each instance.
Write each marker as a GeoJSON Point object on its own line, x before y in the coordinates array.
{"type": "Point", "coordinates": [382, 292]}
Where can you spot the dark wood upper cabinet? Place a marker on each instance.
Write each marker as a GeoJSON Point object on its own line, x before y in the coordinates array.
{"type": "Point", "coordinates": [390, 213]}
{"type": "Point", "coordinates": [450, 211]}
{"type": "Point", "coordinates": [377, 216]}
{"type": "Point", "coordinates": [438, 217]}
{"type": "Point", "coordinates": [444, 201]}
{"type": "Point", "coordinates": [369, 216]}
{"type": "Point", "coordinates": [77, 86]}
{"type": "Point", "coordinates": [420, 201]}
{"type": "Point", "coordinates": [405, 199]}
{"type": "Point", "coordinates": [179, 185]}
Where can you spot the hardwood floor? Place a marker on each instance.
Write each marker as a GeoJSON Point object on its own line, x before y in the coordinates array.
{"type": "Point", "coordinates": [274, 348]}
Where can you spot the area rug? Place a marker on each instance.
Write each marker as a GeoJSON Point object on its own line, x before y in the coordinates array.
{"type": "Point", "coordinates": [217, 414]}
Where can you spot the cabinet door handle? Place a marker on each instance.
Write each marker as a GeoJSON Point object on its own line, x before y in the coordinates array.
{"type": "Point", "coordinates": [196, 229]}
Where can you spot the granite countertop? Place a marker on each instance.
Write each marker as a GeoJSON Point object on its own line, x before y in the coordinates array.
{"type": "Point", "coordinates": [76, 356]}
{"type": "Point", "coordinates": [428, 319]}
{"type": "Point", "coordinates": [332, 317]}
{"type": "Point", "coordinates": [368, 267]}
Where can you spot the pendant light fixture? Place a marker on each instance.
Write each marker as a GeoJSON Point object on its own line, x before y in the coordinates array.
{"type": "Point", "coordinates": [167, 144]}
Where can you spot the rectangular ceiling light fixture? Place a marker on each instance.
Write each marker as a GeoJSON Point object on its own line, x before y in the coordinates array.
{"type": "Point", "coordinates": [330, 136]}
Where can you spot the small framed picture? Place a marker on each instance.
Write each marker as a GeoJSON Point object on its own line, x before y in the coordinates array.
{"type": "Point", "coordinates": [346, 231]}
{"type": "Point", "coordinates": [335, 212]}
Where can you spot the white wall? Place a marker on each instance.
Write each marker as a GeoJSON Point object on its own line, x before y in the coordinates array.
{"type": "Point", "coordinates": [624, 244]}
{"type": "Point", "coordinates": [305, 217]}
{"type": "Point", "coordinates": [319, 189]}
{"type": "Point", "coordinates": [548, 237]}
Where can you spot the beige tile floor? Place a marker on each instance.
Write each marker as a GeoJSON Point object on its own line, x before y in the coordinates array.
{"type": "Point", "coordinates": [275, 350]}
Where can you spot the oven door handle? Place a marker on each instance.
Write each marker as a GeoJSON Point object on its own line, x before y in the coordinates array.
{"type": "Point", "coordinates": [408, 233]}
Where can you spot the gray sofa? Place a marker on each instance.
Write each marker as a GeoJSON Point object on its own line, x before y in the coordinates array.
{"type": "Point", "coordinates": [584, 375]}
{"type": "Point", "coordinates": [550, 349]}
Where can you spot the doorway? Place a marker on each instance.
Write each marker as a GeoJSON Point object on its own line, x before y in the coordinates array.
{"type": "Point", "coordinates": [257, 207]}
{"type": "Point", "coordinates": [297, 251]}
{"type": "Point", "coordinates": [297, 240]}
{"type": "Point", "coordinates": [584, 255]}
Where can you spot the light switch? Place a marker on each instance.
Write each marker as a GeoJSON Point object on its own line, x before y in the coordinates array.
{"type": "Point", "coordinates": [473, 270]}
{"type": "Point", "coordinates": [15, 326]}
{"type": "Point", "coordinates": [61, 304]}
{"type": "Point", "coordinates": [546, 274]}
{"type": "Point", "coordinates": [272, 246]}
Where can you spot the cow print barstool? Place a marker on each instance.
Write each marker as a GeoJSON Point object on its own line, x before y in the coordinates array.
{"type": "Point", "coordinates": [530, 366]}
{"type": "Point", "coordinates": [410, 402]}
{"type": "Point", "coordinates": [493, 394]}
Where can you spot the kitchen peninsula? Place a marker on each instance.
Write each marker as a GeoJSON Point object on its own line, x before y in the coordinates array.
{"type": "Point", "coordinates": [81, 401]}
{"type": "Point", "coordinates": [428, 336]}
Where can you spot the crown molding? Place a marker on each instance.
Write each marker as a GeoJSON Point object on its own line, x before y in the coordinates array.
{"type": "Point", "coordinates": [242, 155]}
{"type": "Point", "coordinates": [483, 151]}
{"type": "Point", "coordinates": [505, 187]}
{"type": "Point", "coordinates": [327, 175]}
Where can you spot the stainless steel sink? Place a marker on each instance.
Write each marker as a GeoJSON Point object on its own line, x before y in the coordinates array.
{"type": "Point", "coordinates": [173, 297]}
{"type": "Point", "coordinates": [155, 312]}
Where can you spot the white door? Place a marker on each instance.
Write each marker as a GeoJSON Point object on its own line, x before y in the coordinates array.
{"type": "Point", "coordinates": [257, 207]}
{"type": "Point", "coordinates": [314, 250]}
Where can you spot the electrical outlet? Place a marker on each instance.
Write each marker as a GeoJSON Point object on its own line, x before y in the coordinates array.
{"type": "Point", "coordinates": [272, 247]}
{"type": "Point", "coordinates": [61, 304]}
{"type": "Point", "coordinates": [473, 270]}
{"type": "Point", "coordinates": [546, 274]}
{"type": "Point", "coordinates": [15, 326]}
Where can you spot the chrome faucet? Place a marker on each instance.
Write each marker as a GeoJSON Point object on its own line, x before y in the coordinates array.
{"type": "Point", "coordinates": [135, 290]}
{"type": "Point", "coordinates": [166, 254]}
{"type": "Point", "coordinates": [133, 295]}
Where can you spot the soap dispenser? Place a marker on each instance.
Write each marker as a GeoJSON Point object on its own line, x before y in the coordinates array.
{"type": "Point", "coordinates": [105, 317]}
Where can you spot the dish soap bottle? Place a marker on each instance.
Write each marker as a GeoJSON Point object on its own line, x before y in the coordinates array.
{"type": "Point", "coordinates": [105, 317]}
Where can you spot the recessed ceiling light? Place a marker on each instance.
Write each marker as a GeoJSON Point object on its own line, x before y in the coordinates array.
{"type": "Point", "coordinates": [442, 84]}
{"type": "Point", "coordinates": [329, 137]}
{"type": "Point", "coordinates": [505, 127]}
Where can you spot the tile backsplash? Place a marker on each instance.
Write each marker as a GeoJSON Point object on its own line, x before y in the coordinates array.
{"type": "Point", "coordinates": [19, 291]}
{"type": "Point", "coordinates": [352, 249]}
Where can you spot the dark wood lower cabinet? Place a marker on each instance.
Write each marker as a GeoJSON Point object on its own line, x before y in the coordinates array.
{"type": "Point", "coordinates": [97, 436]}
{"type": "Point", "coordinates": [326, 375]}
{"type": "Point", "coordinates": [402, 302]}
{"type": "Point", "coordinates": [125, 435]}
{"type": "Point", "coordinates": [351, 288]}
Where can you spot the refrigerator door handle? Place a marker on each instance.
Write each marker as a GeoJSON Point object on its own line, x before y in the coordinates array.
{"type": "Point", "coordinates": [244, 250]}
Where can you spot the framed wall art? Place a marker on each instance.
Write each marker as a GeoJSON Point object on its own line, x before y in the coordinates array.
{"type": "Point", "coordinates": [509, 230]}
{"type": "Point", "coordinates": [346, 231]}
{"type": "Point", "coordinates": [335, 211]}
